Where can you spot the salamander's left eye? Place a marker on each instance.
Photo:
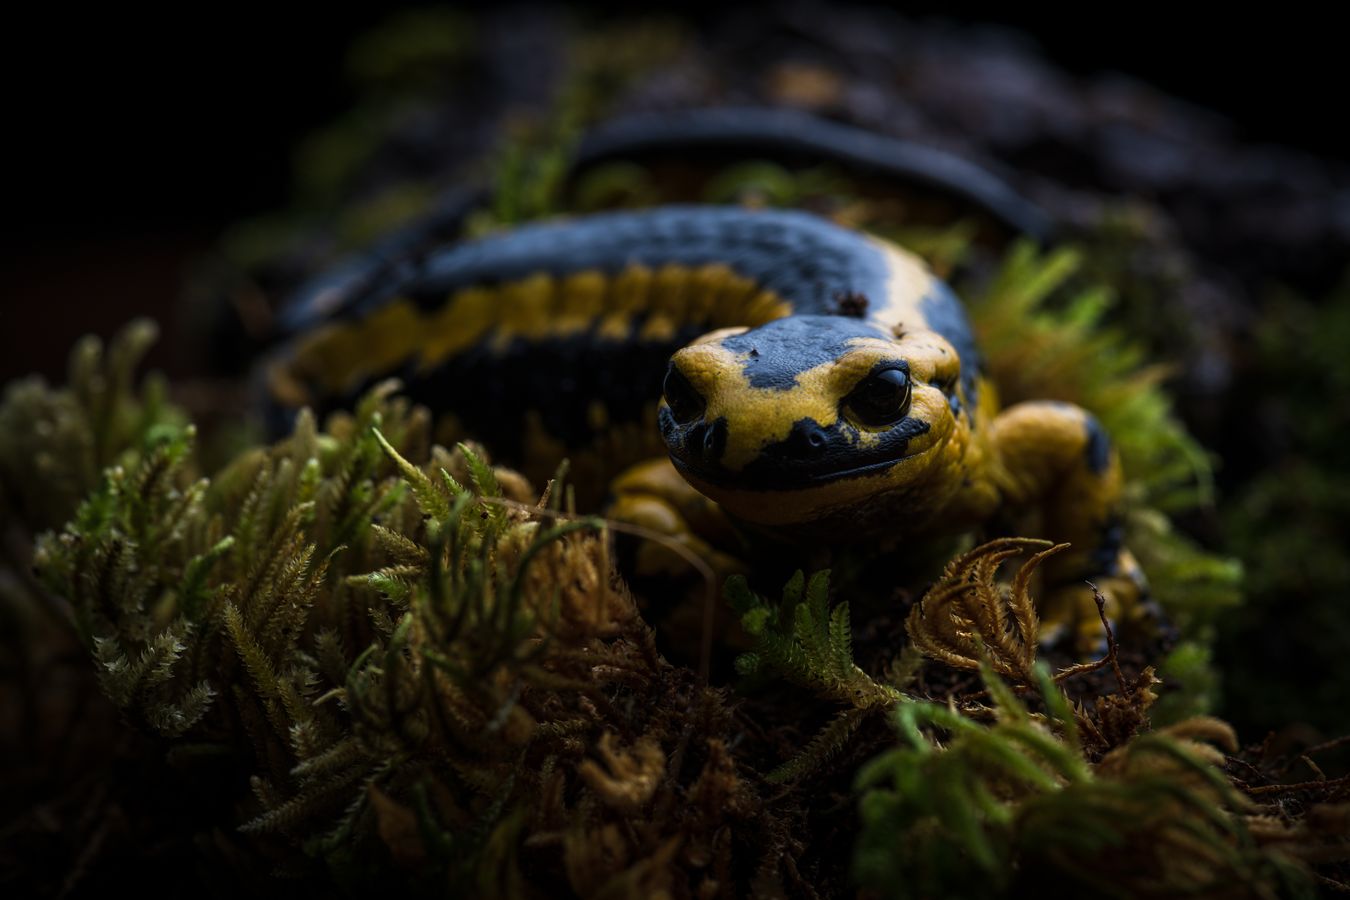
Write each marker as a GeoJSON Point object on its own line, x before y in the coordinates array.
{"type": "Point", "coordinates": [881, 398]}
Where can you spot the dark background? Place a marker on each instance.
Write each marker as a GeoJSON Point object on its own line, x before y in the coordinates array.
{"type": "Point", "coordinates": [133, 138]}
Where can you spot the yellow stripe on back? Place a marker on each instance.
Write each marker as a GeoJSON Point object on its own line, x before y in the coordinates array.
{"type": "Point", "coordinates": [337, 357]}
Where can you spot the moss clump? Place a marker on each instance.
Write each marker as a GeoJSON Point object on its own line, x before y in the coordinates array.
{"type": "Point", "coordinates": [1016, 807]}
{"type": "Point", "coordinates": [417, 668]}
{"type": "Point", "coordinates": [418, 672]}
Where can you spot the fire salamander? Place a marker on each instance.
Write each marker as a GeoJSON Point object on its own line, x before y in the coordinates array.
{"type": "Point", "coordinates": [811, 380]}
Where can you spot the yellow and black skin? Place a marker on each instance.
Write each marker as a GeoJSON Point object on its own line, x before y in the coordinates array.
{"type": "Point", "coordinates": [814, 382]}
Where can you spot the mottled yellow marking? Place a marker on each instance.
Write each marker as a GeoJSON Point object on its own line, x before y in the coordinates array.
{"type": "Point", "coordinates": [583, 301]}
{"type": "Point", "coordinates": [391, 335]}
{"type": "Point", "coordinates": [336, 357]}
{"type": "Point", "coordinates": [627, 298]}
{"type": "Point", "coordinates": [710, 287]}
{"type": "Point", "coordinates": [764, 306]}
{"type": "Point", "coordinates": [724, 297]}
{"type": "Point", "coordinates": [459, 324]}
{"type": "Point", "coordinates": [340, 356]}
{"type": "Point", "coordinates": [669, 287]}
{"type": "Point", "coordinates": [666, 303]}
{"type": "Point", "coordinates": [909, 281]}
{"type": "Point", "coordinates": [285, 388]}
{"type": "Point", "coordinates": [658, 328]}
{"type": "Point", "coordinates": [327, 356]}
{"type": "Point", "coordinates": [527, 309]}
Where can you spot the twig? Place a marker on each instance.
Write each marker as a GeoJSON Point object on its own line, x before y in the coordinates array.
{"type": "Point", "coordinates": [1300, 786]}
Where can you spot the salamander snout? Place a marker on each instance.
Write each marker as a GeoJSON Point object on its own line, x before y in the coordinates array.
{"type": "Point", "coordinates": [701, 439]}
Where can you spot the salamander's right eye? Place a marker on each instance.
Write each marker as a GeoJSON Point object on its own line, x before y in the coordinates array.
{"type": "Point", "coordinates": [685, 402]}
{"type": "Point", "coordinates": [881, 399]}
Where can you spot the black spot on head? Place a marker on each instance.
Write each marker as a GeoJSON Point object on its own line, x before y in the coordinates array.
{"type": "Point", "coordinates": [851, 304]}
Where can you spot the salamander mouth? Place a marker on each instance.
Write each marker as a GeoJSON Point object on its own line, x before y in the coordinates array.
{"type": "Point", "coordinates": [784, 478]}
{"type": "Point", "coordinates": [810, 455]}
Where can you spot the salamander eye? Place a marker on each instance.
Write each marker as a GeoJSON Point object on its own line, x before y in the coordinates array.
{"type": "Point", "coordinates": [685, 402]}
{"type": "Point", "coordinates": [880, 399]}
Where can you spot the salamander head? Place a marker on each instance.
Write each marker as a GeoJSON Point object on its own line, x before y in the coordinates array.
{"type": "Point", "coordinates": [807, 416]}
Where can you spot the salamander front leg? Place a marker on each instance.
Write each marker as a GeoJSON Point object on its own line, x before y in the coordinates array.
{"type": "Point", "coordinates": [1055, 459]}
{"type": "Point", "coordinates": [653, 496]}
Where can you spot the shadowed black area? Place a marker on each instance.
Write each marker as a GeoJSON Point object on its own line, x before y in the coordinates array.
{"type": "Point", "coordinates": [491, 391]}
{"type": "Point", "coordinates": [1098, 450]}
{"type": "Point", "coordinates": [686, 403]}
{"type": "Point", "coordinates": [777, 352]}
{"type": "Point", "coordinates": [795, 135]}
{"type": "Point", "coordinates": [1105, 557]}
{"type": "Point", "coordinates": [947, 317]}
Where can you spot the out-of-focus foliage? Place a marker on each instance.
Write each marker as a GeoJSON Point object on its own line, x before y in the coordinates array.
{"type": "Point", "coordinates": [1291, 523]}
{"type": "Point", "coordinates": [56, 442]}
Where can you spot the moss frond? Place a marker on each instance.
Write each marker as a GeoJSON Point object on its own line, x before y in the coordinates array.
{"type": "Point", "coordinates": [801, 640]}
{"type": "Point", "coordinates": [969, 619]}
{"type": "Point", "coordinates": [962, 809]}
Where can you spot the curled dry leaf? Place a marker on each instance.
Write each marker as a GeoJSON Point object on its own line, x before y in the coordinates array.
{"type": "Point", "coordinates": [968, 615]}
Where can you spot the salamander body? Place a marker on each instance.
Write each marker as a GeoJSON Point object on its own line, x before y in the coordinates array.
{"type": "Point", "coordinates": [810, 379]}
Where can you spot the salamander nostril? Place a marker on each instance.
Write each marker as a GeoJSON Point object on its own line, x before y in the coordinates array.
{"type": "Point", "coordinates": [715, 440]}
{"type": "Point", "coordinates": [807, 440]}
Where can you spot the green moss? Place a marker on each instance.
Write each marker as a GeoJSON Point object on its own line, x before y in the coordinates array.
{"type": "Point", "coordinates": [406, 658]}
{"type": "Point", "coordinates": [56, 442]}
{"type": "Point", "coordinates": [1014, 807]}
{"type": "Point", "coordinates": [434, 679]}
